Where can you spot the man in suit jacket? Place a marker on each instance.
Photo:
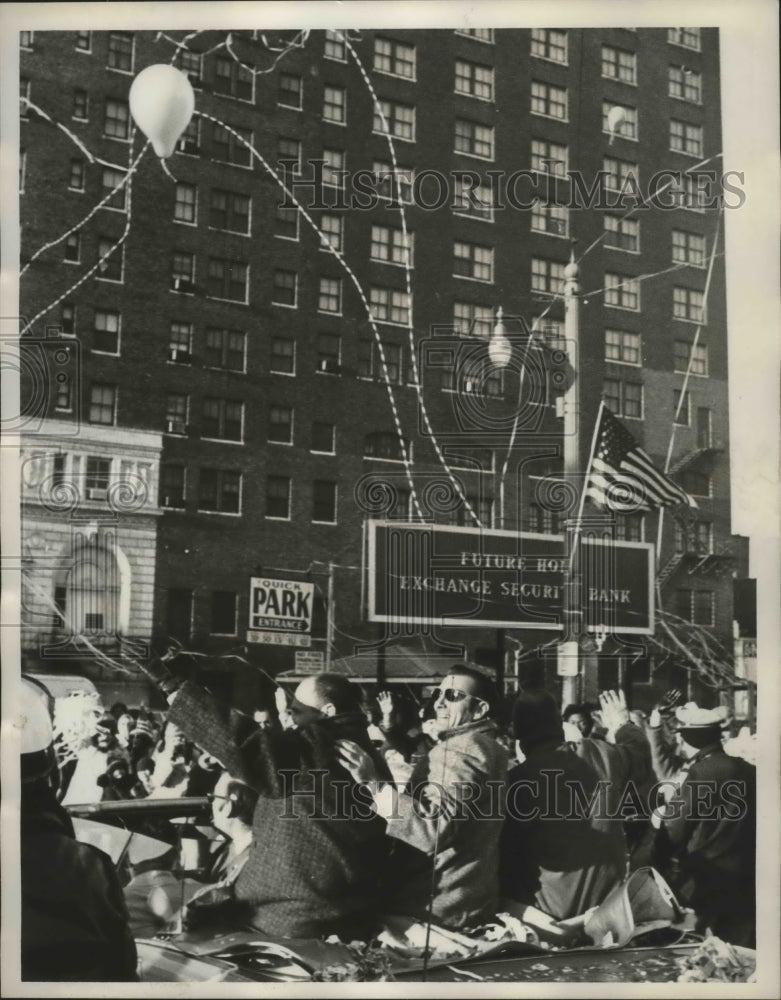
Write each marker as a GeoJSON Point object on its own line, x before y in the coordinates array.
{"type": "Point", "coordinates": [318, 850]}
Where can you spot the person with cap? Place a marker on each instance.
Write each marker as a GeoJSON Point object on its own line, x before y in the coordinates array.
{"type": "Point", "coordinates": [563, 844]}
{"type": "Point", "coordinates": [81, 785]}
{"type": "Point", "coordinates": [117, 780]}
{"type": "Point", "coordinates": [318, 852]}
{"type": "Point", "coordinates": [74, 924]}
{"type": "Point", "coordinates": [709, 828]}
{"type": "Point", "coordinates": [445, 831]}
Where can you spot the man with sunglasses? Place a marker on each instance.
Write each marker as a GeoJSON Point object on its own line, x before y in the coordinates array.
{"type": "Point", "coordinates": [318, 851]}
{"type": "Point", "coordinates": [446, 828]}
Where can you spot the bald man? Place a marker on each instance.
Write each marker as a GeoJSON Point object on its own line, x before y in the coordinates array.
{"type": "Point", "coordinates": [318, 849]}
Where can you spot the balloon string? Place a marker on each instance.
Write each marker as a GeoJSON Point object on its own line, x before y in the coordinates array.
{"type": "Point", "coordinates": [166, 171]}
{"type": "Point", "coordinates": [351, 274]}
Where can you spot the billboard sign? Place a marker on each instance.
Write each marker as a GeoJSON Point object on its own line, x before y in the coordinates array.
{"type": "Point", "coordinates": [280, 611]}
{"type": "Point", "coordinates": [443, 575]}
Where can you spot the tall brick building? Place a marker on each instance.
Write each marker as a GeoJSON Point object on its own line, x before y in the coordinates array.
{"type": "Point", "coordinates": [221, 362]}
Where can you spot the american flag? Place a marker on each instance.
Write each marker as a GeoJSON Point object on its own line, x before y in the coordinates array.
{"type": "Point", "coordinates": [622, 477]}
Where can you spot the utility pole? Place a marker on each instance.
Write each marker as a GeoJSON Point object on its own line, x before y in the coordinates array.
{"type": "Point", "coordinates": [569, 665]}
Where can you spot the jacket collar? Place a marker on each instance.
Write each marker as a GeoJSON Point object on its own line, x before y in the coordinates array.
{"type": "Point", "coordinates": [479, 726]}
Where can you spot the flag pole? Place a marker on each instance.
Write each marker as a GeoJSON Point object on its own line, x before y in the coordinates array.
{"type": "Point", "coordinates": [569, 660]}
{"type": "Point", "coordinates": [594, 438]}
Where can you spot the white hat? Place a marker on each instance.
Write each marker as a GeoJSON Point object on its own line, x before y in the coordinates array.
{"type": "Point", "coordinates": [691, 716]}
{"type": "Point", "coordinates": [37, 735]}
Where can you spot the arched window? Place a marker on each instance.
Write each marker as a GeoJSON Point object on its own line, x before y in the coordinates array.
{"type": "Point", "coordinates": [92, 593]}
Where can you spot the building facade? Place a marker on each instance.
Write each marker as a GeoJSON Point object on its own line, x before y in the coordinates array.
{"type": "Point", "coordinates": [291, 320]}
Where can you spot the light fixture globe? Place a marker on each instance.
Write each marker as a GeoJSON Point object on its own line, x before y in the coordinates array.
{"type": "Point", "coordinates": [500, 350]}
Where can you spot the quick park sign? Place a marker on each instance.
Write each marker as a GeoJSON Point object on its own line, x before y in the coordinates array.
{"type": "Point", "coordinates": [442, 575]}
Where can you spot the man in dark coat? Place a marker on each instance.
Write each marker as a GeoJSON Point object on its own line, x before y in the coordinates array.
{"type": "Point", "coordinates": [563, 845]}
{"type": "Point", "coordinates": [446, 831]}
{"type": "Point", "coordinates": [318, 850]}
{"type": "Point", "coordinates": [74, 918]}
{"type": "Point", "coordinates": [710, 828]}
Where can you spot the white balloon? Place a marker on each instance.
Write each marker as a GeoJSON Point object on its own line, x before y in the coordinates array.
{"type": "Point", "coordinates": [162, 103]}
{"type": "Point", "coordinates": [615, 118]}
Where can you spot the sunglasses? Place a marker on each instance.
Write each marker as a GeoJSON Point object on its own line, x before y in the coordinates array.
{"type": "Point", "coordinates": [454, 695]}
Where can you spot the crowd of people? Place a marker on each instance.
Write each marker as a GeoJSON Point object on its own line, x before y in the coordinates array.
{"type": "Point", "coordinates": [337, 813]}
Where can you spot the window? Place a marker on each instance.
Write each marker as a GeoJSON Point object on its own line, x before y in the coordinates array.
{"type": "Point", "coordinates": [688, 248]}
{"type": "Point", "coordinates": [543, 521]}
{"type": "Point", "coordinates": [227, 279]}
{"type": "Point", "coordinates": [551, 329]}
{"type": "Point", "coordinates": [290, 91]}
{"type": "Point", "coordinates": [329, 295]}
{"type": "Point", "coordinates": [105, 336]}
{"type": "Point", "coordinates": [393, 186]}
{"type": "Point", "coordinates": [232, 79]}
{"type": "Point", "coordinates": [474, 80]}
{"type": "Point", "coordinates": [547, 276]}
{"type": "Point", "coordinates": [703, 607]}
{"type": "Point", "coordinates": [388, 245]}
{"type": "Point", "coordinates": [333, 168]}
{"type": "Point", "coordinates": [332, 230]}
{"type": "Point", "coordinates": [76, 175]}
{"type": "Point", "coordinates": [549, 44]}
{"type": "Point", "coordinates": [704, 433]}
{"type": "Point", "coordinates": [120, 51]}
{"type": "Point", "coordinates": [286, 223]}
{"type": "Point", "coordinates": [324, 501]}
{"type": "Point", "coordinates": [190, 140]}
{"type": "Point", "coordinates": [280, 424]}
{"type": "Point", "coordinates": [185, 203]}
{"type": "Point", "coordinates": [227, 148]}
{"type": "Point", "coordinates": [685, 138]}
{"type": "Point", "coordinates": [394, 57]}
{"type": "Point", "coordinates": [474, 139]}
{"type": "Point", "coordinates": [549, 157]}
{"type": "Point", "coordinates": [622, 347]}
{"type": "Point", "coordinates": [112, 179]}
{"type": "Point", "coordinates": [548, 100]}
{"type": "Point", "coordinates": [219, 491]}
{"type": "Point", "coordinates": [696, 483]}
{"type": "Point", "coordinates": [683, 351]}
{"type": "Point", "coordinates": [473, 196]}
{"type": "Point", "coordinates": [335, 105]}
{"type": "Point", "coordinates": [689, 38]}
{"type": "Point", "coordinates": [365, 358]}
{"type": "Point", "coordinates": [681, 417]}
{"type": "Point", "coordinates": [177, 409]}
{"type": "Point", "coordinates": [390, 305]}
{"type": "Point", "coordinates": [84, 41]}
{"type": "Point", "coordinates": [479, 34]}
{"type": "Point", "coordinates": [289, 151]}
{"type": "Point", "coordinates": [323, 437]}
{"type": "Point", "coordinates": [619, 65]}
{"type": "Point", "coordinates": [222, 419]}
{"type": "Point", "coordinates": [688, 305]}
{"type": "Point", "coordinates": [172, 486]}
{"type": "Point", "coordinates": [223, 612]}
{"type": "Point", "coordinates": [230, 211]}
{"type": "Point", "coordinates": [98, 473]}
{"type": "Point", "coordinates": [68, 319]}
{"type": "Point", "coordinates": [696, 538]}
{"type": "Point", "coordinates": [622, 292]}
{"type": "Point", "coordinates": [403, 504]}
{"type": "Point", "coordinates": [111, 259]}
{"type": "Point", "coordinates": [471, 320]}
{"type": "Point", "coordinates": [386, 445]}
{"type": "Point", "coordinates": [548, 218]}
{"type": "Point", "coordinates": [622, 233]}
{"type": "Point", "coordinates": [627, 129]}
{"type": "Point", "coordinates": [283, 356]}
{"type": "Point", "coordinates": [117, 122]}
{"type": "Point", "coordinates": [482, 508]}
{"type": "Point", "coordinates": [80, 105]}
{"type": "Point", "coordinates": [684, 84]}
{"type": "Point", "coordinates": [334, 47]}
{"type": "Point", "coordinates": [393, 371]}
{"type": "Point", "coordinates": [182, 272]}
{"type": "Point", "coordinates": [278, 497]}
{"type": "Point", "coordinates": [329, 353]}
{"type": "Point", "coordinates": [473, 261]}
{"type": "Point", "coordinates": [179, 613]}
{"type": "Point", "coordinates": [102, 404]}
{"type": "Point", "coordinates": [624, 399]}
{"type": "Point", "coordinates": [630, 527]}
{"type": "Point", "coordinates": [180, 340]}
{"type": "Point", "coordinates": [191, 64]}
{"type": "Point", "coordinates": [620, 173]}
{"type": "Point", "coordinates": [72, 252]}
{"type": "Point", "coordinates": [395, 119]}
{"type": "Point", "coordinates": [225, 349]}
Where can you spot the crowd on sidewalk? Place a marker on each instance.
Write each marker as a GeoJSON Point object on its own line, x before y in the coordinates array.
{"type": "Point", "coordinates": [338, 813]}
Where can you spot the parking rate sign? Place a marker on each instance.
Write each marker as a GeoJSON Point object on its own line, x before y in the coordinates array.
{"type": "Point", "coordinates": [280, 606]}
